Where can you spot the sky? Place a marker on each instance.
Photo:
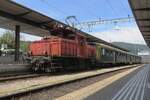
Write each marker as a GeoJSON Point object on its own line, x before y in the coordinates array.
{"type": "Point", "coordinates": [88, 10]}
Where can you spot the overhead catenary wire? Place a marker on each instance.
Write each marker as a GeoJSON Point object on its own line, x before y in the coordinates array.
{"type": "Point", "coordinates": [124, 7]}
{"type": "Point", "coordinates": [105, 21]}
{"type": "Point", "coordinates": [112, 8]}
{"type": "Point", "coordinates": [109, 4]}
{"type": "Point", "coordinates": [49, 5]}
{"type": "Point", "coordinates": [88, 7]}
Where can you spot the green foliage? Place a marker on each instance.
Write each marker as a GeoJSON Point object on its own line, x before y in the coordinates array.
{"type": "Point", "coordinates": [8, 38]}
{"type": "Point", "coordinates": [24, 46]}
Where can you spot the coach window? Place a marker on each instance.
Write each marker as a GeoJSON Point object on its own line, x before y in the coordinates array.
{"type": "Point", "coordinates": [103, 51]}
{"type": "Point", "coordinates": [106, 52]}
{"type": "Point", "coordinates": [110, 53]}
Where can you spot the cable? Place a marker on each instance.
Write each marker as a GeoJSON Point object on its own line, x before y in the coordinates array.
{"type": "Point", "coordinates": [123, 6]}
{"type": "Point", "coordinates": [83, 6]}
{"type": "Point", "coordinates": [62, 12]}
{"type": "Point", "coordinates": [88, 8]}
{"type": "Point", "coordinates": [111, 7]}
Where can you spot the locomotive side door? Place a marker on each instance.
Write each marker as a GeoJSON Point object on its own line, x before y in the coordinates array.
{"type": "Point", "coordinates": [81, 46]}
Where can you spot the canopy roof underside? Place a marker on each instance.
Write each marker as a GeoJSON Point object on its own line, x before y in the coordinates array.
{"type": "Point", "coordinates": [141, 11]}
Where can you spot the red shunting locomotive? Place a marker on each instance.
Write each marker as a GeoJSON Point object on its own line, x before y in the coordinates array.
{"type": "Point", "coordinates": [66, 50]}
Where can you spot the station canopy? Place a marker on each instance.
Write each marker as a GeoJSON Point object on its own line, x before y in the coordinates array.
{"type": "Point", "coordinates": [141, 11]}
{"type": "Point", "coordinates": [33, 22]}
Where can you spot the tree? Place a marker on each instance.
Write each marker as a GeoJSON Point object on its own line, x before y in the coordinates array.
{"type": "Point", "coordinates": [24, 46]}
{"type": "Point", "coordinates": [8, 38]}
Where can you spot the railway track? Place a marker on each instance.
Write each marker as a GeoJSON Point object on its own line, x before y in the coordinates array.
{"type": "Point", "coordinates": [21, 76]}
{"type": "Point", "coordinates": [55, 86]}
{"type": "Point", "coordinates": [17, 77]}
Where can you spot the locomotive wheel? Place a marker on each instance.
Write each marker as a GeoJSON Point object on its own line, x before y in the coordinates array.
{"type": "Point", "coordinates": [48, 70]}
{"type": "Point", "coordinates": [35, 69]}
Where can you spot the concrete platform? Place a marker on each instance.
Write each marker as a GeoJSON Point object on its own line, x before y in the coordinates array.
{"type": "Point", "coordinates": [133, 85]}
{"type": "Point", "coordinates": [7, 64]}
{"type": "Point", "coordinates": [10, 68]}
{"type": "Point", "coordinates": [9, 59]}
{"type": "Point", "coordinates": [83, 93]}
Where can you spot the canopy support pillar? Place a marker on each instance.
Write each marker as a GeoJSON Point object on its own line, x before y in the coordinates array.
{"type": "Point", "coordinates": [17, 42]}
